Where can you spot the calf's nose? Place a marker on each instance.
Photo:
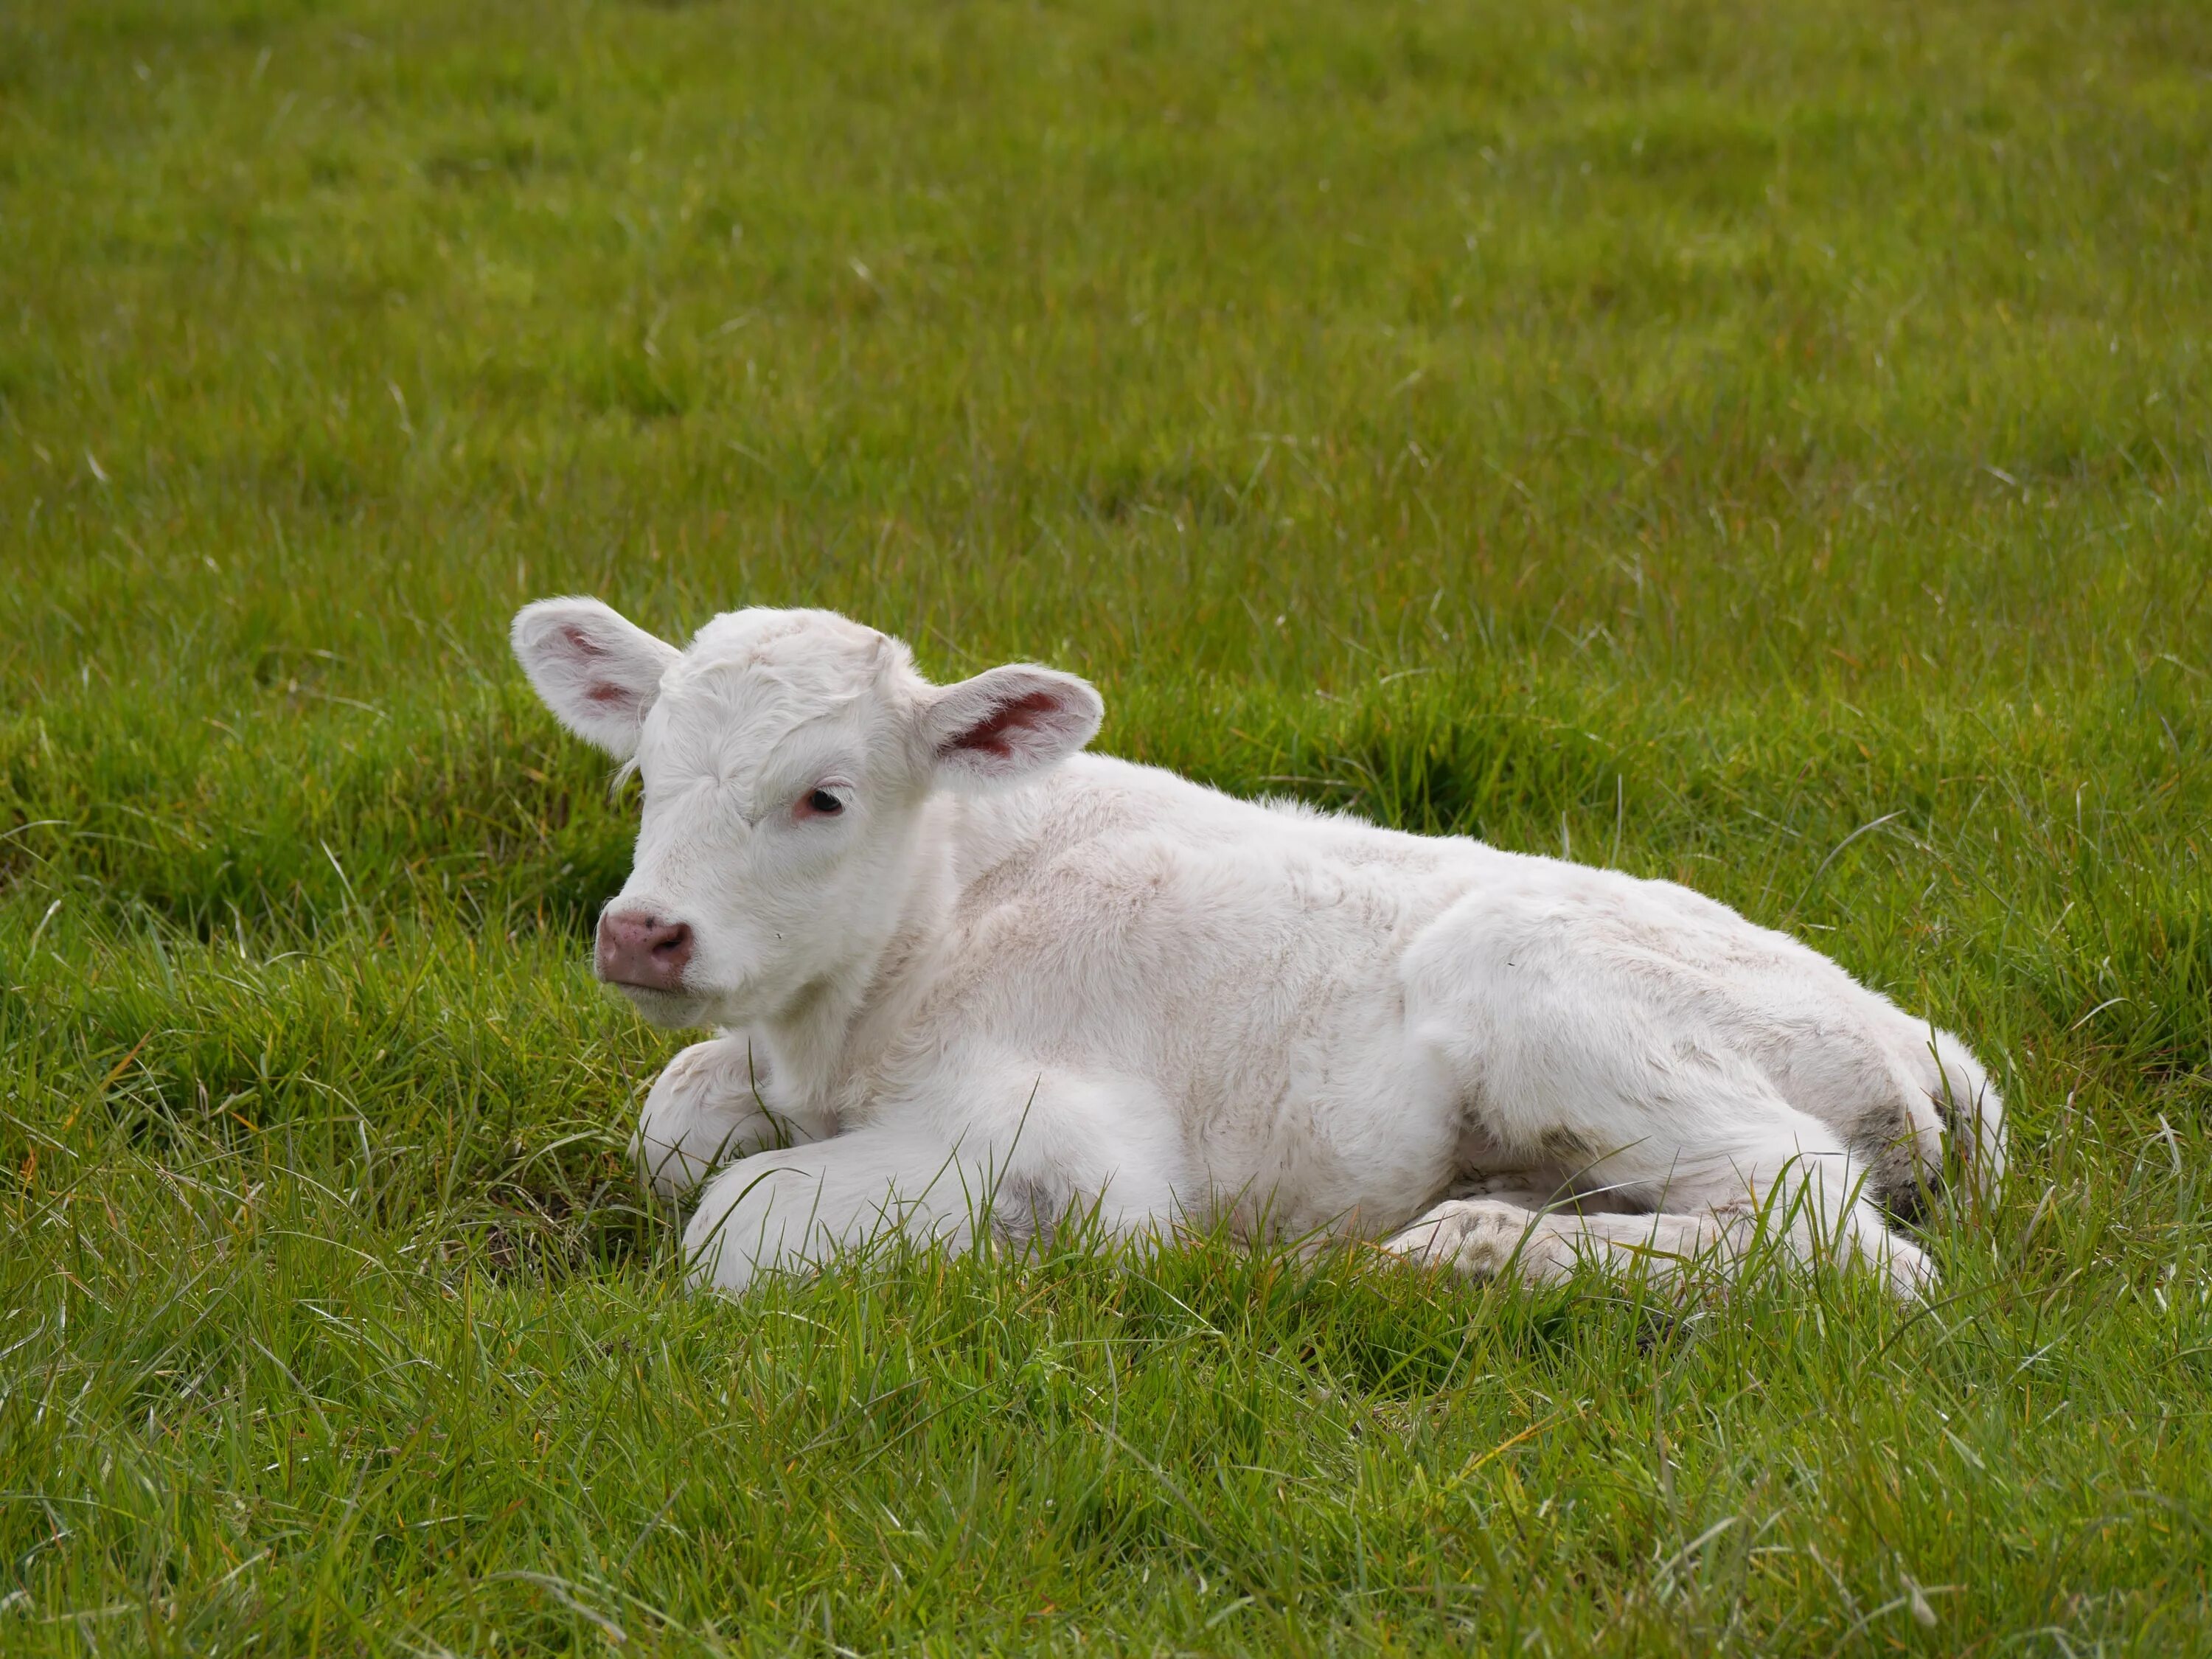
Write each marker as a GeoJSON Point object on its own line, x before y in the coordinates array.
{"type": "Point", "coordinates": [636, 948]}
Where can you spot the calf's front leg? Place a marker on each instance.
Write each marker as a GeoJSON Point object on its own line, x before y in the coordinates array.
{"type": "Point", "coordinates": [933, 1182]}
{"type": "Point", "coordinates": [705, 1109]}
{"type": "Point", "coordinates": [1016, 1149]}
{"type": "Point", "coordinates": [790, 1210]}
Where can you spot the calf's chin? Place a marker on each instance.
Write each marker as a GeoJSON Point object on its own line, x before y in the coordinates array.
{"type": "Point", "coordinates": [671, 1011]}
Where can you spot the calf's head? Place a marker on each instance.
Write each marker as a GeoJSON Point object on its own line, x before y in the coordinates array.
{"type": "Point", "coordinates": [786, 757]}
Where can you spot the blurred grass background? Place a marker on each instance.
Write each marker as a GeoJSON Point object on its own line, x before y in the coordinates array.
{"type": "Point", "coordinates": [1762, 446]}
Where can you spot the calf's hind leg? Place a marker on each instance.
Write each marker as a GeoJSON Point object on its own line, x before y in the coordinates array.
{"type": "Point", "coordinates": [1567, 1036]}
{"type": "Point", "coordinates": [1789, 1182]}
{"type": "Point", "coordinates": [1489, 1238]}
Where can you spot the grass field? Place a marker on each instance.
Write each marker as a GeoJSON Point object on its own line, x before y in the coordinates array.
{"type": "Point", "coordinates": [1768, 446]}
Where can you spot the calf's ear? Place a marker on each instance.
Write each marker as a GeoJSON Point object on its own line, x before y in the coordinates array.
{"type": "Point", "coordinates": [1009, 723]}
{"type": "Point", "coordinates": [598, 671]}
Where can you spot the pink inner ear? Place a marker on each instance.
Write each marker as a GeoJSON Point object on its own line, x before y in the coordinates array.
{"type": "Point", "coordinates": [605, 693]}
{"type": "Point", "coordinates": [990, 735]}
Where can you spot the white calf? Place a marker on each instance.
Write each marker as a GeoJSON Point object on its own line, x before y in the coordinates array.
{"type": "Point", "coordinates": [952, 961]}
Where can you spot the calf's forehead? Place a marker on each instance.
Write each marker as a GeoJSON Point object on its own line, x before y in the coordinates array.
{"type": "Point", "coordinates": [754, 681]}
{"type": "Point", "coordinates": [776, 638]}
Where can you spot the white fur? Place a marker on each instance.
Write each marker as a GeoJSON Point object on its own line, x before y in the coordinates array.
{"type": "Point", "coordinates": [1002, 971]}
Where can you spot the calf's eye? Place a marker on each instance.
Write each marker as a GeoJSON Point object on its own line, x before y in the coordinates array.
{"type": "Point", "coordinates": [824, 804]}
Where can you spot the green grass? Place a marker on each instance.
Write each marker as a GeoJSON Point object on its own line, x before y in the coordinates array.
{"type": "Point", "coordinates": [1765, 446]}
